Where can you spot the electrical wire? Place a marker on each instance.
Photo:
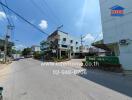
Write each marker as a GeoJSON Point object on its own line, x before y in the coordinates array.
{"type": "Point", "coordinates": [9, 13]}
{"type": "Point", "coordinates": [34, 26]}
{"type": "Point", "coordinates": [6, 14]}
{"type": "Point", "coordinates": [41, 10]}
{"type": "Point", "coordinates": [52, 12]}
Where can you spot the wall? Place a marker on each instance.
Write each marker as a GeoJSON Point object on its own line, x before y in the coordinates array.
{"type": "Point", "coordinates": [117, 28]}
{"type": "Point", "coordinates": [36, 48]}
{"type": "Point", "coordinates": [68, 38]}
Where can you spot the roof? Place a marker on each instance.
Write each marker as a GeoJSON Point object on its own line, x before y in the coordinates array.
{"type": "Point", "coordinates": [100, 44]}
{"type": "Point", "coordinates": [117, 7]}
{"type": "Point", "coordinates": [62, 31]}
{"type": "Point", "coordinates": [53, 34]}
{"type": "Point", "coordinates": [35, 46]}
{"type": "Point", "coordinates": [56, 32]}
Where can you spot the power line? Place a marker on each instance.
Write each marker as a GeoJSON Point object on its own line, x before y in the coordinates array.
{"type": "Point", "coordinates": [58, 19]}
{"type": "Point", "coordinates": [11, 21]}
{"type": "Point", "coordinates": [23, 19]}
{"type": "Point", "coordinates": [9, 13]}
{"type": "Point", "coordinates": [5, 14]}
{"type": "Point", "coordinates": [41, 10]}
{"type": "Point", "coordinates": [52, 11]}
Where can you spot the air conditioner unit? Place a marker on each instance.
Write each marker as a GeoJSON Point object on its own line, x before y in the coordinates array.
{"type": "Point", "coordinates": [124, 42]}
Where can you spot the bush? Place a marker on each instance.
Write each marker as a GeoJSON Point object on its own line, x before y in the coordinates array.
{"type": "Point", "coordinates": [37, 55]}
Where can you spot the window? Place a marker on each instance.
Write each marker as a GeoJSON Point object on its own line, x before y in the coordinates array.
{"type": "Point", "coordinates": [76, 47]}
{"type": "Point", "coordinates": [76, 42]}
{"type": "Point", "coordinates": [71, 41]}
{"type": "Point", "coordinates": [64, 46]}
{"type": "Point", "coordinates": [71, 48]}
{"type": "Point", "coordinates": [64, 39]}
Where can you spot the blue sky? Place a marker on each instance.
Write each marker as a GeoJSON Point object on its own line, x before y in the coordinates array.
{"type": "Point", "coordinates": [79, 17]}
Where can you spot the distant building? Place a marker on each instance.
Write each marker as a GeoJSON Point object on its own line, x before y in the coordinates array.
{"type": "Point", "coordinates": [84, 49]}
{"type": "Point", "coordinates": [62, 44]}
{"type": "Point", "coordinates": [35, 48]}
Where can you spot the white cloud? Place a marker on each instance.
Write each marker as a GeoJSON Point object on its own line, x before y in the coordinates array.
{"type": "Point", "coordinates": [89, 38]}
{"type": "Point", "coordinates": [2, 15]}
{"type": "Point", "coordinates": [43, 24]}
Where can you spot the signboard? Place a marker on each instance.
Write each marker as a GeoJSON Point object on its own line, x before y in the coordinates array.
{"type": "Point", "coordinates": [117, 11]}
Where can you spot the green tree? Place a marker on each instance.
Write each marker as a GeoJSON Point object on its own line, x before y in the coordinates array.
{"type": "Point", "coordinates": [26, 52]}
{"type": "Point", "coordinates": [37, 55]}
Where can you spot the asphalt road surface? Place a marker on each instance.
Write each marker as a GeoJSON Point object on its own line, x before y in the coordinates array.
{"type": "Point", "coordinates": [29, 79]}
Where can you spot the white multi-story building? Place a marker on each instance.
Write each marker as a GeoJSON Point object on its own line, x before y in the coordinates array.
{"type": "Point", "coordinates": [117, 29]}
{"type": "Point", "coordinates": [63, 43]}
{"type": "Point", "coordinates": [35, 48]}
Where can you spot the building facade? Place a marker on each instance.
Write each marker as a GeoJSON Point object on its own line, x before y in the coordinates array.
{"type": "Point", "coordinates": [116, 18]}
{"type": "Point", "coordinates": [35, 48]}
{"type": "Point", "coordinates": [63, 44]}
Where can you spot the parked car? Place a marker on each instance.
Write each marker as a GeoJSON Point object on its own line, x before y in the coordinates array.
{"type": "Point", "coordinates": [1, 57]}
{"type": "Point", "coordinates": [16, 57]}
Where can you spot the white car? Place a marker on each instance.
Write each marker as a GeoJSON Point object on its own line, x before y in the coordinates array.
{"type": "Point", "coordinates": [1, 57]}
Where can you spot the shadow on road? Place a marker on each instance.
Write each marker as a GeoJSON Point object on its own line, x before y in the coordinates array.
{"type": "Point", "coordinates": [114, 81]}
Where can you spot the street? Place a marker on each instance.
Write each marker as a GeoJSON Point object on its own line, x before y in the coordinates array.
{"type": "Point", "coordinates": [28, 79]}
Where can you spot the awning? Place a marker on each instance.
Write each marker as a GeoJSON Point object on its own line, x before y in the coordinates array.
{"type": "Point", "coordinates": [100, 44]}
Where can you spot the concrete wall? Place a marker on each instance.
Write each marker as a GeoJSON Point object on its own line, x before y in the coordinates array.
{"type": "Point", "coordinates": [117, 28]}
{"type": "Point", "coordinates": [126, 56]}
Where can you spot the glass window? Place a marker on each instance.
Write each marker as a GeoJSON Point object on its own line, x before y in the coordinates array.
{"type": "Point", "coordinates": [64, 39]}
{"type": "Point", "coordinates": [64, 46]}
{"type": "Point", "coordinates": [71, 41]}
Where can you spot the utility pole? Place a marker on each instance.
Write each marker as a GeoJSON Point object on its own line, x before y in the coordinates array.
{"type": "Point", "coordinates": [82, 37]}
{"type": "Point", "coordinates": [81, 47]}
{"type": "Point", "coordinates": [7, 36]}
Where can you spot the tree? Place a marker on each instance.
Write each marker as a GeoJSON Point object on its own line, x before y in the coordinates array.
{"type": "Point", "coordinates": [26, 52]}
{"type": "Point", "coordinates": [37, 55]}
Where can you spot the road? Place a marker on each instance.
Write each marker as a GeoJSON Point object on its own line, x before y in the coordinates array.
{"type": "Point", "coordinates": [29, 79]}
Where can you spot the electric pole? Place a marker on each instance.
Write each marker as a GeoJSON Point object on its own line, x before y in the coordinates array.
{"type": "Point", "coordinates": [82, 37]}
{"type": "Point", "coordinates": [7, 36]}
{"type": "Point", "coordinates": [81, 47]}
